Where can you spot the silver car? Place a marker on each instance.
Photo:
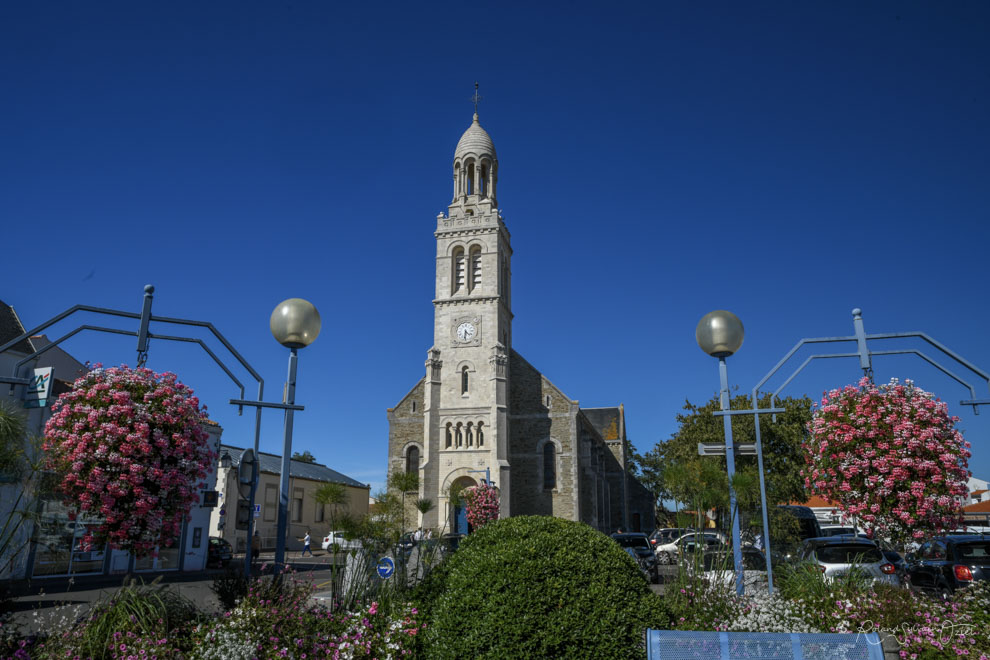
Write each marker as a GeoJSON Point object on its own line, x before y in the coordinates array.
{"type": "Point", "coordinates": [838, 556]}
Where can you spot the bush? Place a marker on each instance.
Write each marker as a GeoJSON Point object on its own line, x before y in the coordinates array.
{"type": "Point", "coordinates": [230, 586]}
{"type": "Point", "coordinates": [134, 621]}
{"type": "Point", "coordinates": [541, 587]}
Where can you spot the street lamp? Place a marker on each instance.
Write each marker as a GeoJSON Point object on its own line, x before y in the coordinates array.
{"type": "Point", "coordinates": [720, 334]}
{"type": "Point", "coordinates": [295, 324]}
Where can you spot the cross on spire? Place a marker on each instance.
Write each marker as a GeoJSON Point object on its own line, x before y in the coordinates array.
{"type": "Point", "coordinates": [477, 97]}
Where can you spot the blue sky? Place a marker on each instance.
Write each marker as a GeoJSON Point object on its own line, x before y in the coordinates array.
{"type": "Point", "coordinates": [786, 161]}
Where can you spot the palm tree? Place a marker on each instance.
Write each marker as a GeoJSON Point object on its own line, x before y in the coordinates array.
{"type": "Point", "coordinates": [334, 495]}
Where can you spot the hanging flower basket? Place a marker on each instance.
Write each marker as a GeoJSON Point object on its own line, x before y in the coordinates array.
{"type": "Point", "coordinates": [129, 450]}
{"type": "Point", "coordinates": [482, 504]}
{"type": "Point", "coordinates": [890, 456]}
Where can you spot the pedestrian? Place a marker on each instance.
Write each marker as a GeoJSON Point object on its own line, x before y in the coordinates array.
{"type": "Point", "coordinates": [306, 548]}
{"type": "Point", "coordinates": [418, 535]}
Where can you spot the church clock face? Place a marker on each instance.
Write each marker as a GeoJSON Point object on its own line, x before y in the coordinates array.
{"type": "Point", "coordinates": [466, 331]}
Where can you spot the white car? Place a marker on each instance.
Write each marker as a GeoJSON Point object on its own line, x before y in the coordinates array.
{"type": "Point", "coordinates": [337, 538]}
{"type": "Point", "coordinates": [667, 553]}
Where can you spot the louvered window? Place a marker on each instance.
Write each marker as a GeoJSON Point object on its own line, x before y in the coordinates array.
{"type": "Point", "coordinates": [475, 268]}
{"type": "Point", "coordinates": [460, 276]}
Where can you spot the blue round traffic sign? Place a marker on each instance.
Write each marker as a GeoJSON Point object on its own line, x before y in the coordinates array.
{"type": "Point", "coordinates": [386, 567]}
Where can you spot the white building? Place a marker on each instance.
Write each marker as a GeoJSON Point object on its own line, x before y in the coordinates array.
{"type": "Point", "coordinates": [46, 542]}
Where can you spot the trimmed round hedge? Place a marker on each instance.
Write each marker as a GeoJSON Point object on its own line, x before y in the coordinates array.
{"type": "Point", "coordinates": [541, 587]}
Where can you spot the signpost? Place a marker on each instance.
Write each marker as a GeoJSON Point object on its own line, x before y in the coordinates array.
{"type": "Point", "coordinates": [386, 568]}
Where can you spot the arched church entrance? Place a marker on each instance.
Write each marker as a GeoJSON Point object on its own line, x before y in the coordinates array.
{"type": "Point", "coordinates": [458, 513]}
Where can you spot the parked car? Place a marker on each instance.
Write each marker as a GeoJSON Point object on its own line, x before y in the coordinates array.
{"type": "Point", "coordinates": [668, 553]}
{"type": "Point", "coordinates": [837, 556]}
{"type": "Point", "coordinates": [667, 534]}
{"type": "Point", "coordinates": [718, 568]}
{"type": "Point", "coordinates": [640, 543]}
{"type": "Point", "coordinates": [839, 530]}
{"type": "Point", "coordinates": [337, 538]}
{"type": "Point", "coordinates": [639, 562]}
{"type": "Point", "coordinates": [947, 563]}
{"type": "Point", "coordinates": [808, 528]}
{"type": "Point", "coordinates": [218, 552]}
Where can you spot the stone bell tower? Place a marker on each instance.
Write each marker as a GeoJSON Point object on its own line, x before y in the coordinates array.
{"type": "Point", "coordinates": [465, 403]}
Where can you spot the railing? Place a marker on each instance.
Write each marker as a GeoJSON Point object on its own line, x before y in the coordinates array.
{"type": "Point", "coordinates": [691, 645]}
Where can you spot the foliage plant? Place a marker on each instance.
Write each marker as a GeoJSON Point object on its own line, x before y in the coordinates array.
{"type": "Point", "coordinates": [889, 456]}
{"type": "Point", "coordinates": [277, 618]}
{"type": "Point", "coordinates": [230, 586]}
{"type": "Point", "coordinates": [135, 621]}
{"type": "Point", "coordinates": [129, 449]}
{"type": "Point", "coordinates": [540, 587]}
{"type": "Point", "coordinates": [669, 468]}
{"type": "Point", "coordinates": [481, 503]}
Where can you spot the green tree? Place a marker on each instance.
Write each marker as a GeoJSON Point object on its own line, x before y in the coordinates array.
{"type": "Point", "coordinates": [304, 457]}
{"type": "Point", "coordinates": [673, 469]}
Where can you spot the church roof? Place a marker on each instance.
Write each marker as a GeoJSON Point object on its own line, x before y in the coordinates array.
{"type": "Point", "coordinates": [475, 141]}
{"type": "Point", "coordinates": [605, 420]}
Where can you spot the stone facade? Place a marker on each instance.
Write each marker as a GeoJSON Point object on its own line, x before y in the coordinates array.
{"type": "Point", "coordinates": [481, 407]}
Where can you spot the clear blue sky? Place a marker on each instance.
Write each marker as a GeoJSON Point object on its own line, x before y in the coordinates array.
{"type": "Point", "coordinates": [787, 161]}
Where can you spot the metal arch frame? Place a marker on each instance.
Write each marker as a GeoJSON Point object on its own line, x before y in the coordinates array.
{"type": "Point", "coordinates": [866, 363]}
{"type": "Point", "coordinates": [143, 335]}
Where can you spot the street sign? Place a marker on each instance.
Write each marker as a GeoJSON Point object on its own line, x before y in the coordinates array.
{"type": "Point", "coordinates": [719, 450]}
{"type": "Point", "coordinates": [386, 567]}
{"type": "Point", "coordinates": [36, 393]}
{"type": "Point", "coordinates": [257, 510]}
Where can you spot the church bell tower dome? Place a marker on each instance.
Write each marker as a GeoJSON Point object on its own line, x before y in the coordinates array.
{"type": "Point", "coordinates": [475, 168]}
{"type": "Point", "coordinates": [475, 141]}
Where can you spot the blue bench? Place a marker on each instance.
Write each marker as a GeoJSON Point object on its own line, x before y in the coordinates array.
{"type": "Point", "coordinates": [690, 645]}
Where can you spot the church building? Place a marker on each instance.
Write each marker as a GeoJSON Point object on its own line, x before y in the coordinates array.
{"type": "Point", "coordinates": [481, 409]}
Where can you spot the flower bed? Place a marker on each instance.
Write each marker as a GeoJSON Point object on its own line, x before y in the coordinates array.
{"type": "Point", "coordinates": [924, 627]}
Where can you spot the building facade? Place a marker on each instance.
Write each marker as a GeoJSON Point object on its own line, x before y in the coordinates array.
{"type": "Point", "coordinates": [46, 541]}
{"type": "Point", "coordinates": [306, 513]}
{"type": "Point", "coordinates": [481, 408]}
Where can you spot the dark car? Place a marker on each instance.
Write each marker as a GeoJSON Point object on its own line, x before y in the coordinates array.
{"type": "Point", "coordinates": [219, 552]}
{"type": "Point", "coordinates": [640, 544]}
{"type": "Point", "coordinates": [947, 563]}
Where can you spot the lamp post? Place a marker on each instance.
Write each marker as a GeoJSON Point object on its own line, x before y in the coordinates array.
{"type": "Point", "coordinates": [295, 324]}
{"type": "Point", "coordinates": [720, 334]}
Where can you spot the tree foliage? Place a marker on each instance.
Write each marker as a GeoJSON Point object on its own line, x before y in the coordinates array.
{"type": "Point", "coordinates": [304, 457]}
{"type": "Point", "coordinates": [674, 470]}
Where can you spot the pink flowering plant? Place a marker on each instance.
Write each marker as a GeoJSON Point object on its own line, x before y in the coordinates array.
{"type": "Point", "coordinates": [482, 504]}
{"type": "Point", "coordinates": [890, 456]}
{"type": "Point", "coordinates": [129, 449]}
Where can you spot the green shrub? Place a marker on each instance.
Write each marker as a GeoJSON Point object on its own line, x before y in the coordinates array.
{"type": "Point", "coordinates": [540, 587]}
{"type": "Point", "coordinates": [230, 586]}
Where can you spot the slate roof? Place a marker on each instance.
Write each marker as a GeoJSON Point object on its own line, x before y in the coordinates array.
{"type": "Point", "coordinates": [272, 464]}
{"type": "Point", "coordinates": [10, 327]}
{"type": "Point", "coordinates": [605, 421]}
